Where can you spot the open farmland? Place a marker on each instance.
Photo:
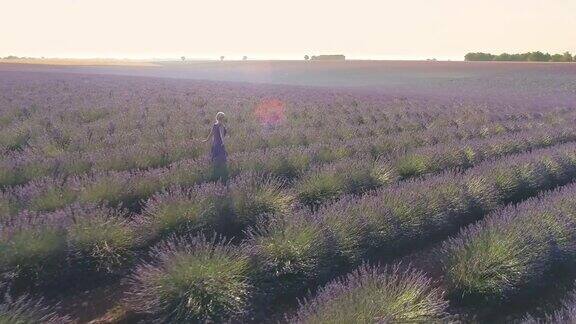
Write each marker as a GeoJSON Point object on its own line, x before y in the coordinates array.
{"type": "Point", "coordinates": [465, 172]}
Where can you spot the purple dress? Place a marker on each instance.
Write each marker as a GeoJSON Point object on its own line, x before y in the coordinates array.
{"type": "Point", "coordinates": [218, 150]}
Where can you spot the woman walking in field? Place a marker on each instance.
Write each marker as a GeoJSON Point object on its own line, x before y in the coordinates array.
{"type": "Point", "coordinates": [218, 151]}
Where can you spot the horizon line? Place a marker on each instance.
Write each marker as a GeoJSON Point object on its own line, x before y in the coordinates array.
{"type": "Point", "coordinates": [234, 57]}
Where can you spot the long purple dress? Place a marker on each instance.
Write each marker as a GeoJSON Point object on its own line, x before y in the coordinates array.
{"type": "Point", "coordinates": [218, 151]}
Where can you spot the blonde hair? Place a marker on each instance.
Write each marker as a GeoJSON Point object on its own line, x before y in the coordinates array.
{"type": "Point", "coordinates": [220, 115]}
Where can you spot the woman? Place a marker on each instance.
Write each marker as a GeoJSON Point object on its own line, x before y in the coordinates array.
{"type": "Point", "coordinates": [218, 152]}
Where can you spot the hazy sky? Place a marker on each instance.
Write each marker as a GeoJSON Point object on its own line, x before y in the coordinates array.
{"type": "Point", "coordinates": [284, 29]}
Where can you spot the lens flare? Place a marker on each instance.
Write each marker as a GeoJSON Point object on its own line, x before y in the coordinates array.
{"type": "Point", "coordinates": [270, 112]}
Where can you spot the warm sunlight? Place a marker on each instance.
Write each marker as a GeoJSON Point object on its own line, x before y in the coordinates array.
{"type": "Point", "coordinates": [389, 29]}
{"type": "Point", "coordinates": [289, 162]}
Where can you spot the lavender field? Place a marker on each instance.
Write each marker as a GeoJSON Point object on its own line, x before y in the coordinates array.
{"type": "Point", "coordinates": [355, 192]}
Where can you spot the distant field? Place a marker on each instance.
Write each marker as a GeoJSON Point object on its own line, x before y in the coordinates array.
{"type": "Point", "coordinates": [77, 62]}
{"type": "Point", "coordinates": [492, 81]}
{"type": "Point", "coordinates": [110, 208]}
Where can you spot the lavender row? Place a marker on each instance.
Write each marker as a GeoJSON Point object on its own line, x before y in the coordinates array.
{"type": "Point", "coordinates": [375, 295]}
{"type": "Point", "coordinates": [302, 251]}
{"type": "Point", "coordinates": [326, 306]}
{"type": "Point", "coordinates": [64, 135]}
{"type": "Point", "coordinates": [25, 167]}
{"type": "Point", "coordinates": [25, 310]}
{"type": "Point", "coordinates": [119, 118]}
{"type": "Point", "coordinates": [205, 209]}
{"type": "Point", "coordinates": [209, 208]}
{"type": "Point", "coordinates": [513, 251]}
{"type": "Point", "coordinates": [357, 175]}
{"type": "Point", "coordinates": [129, 188]}
{"type": "Point", "coordinates": [48, 248]}
{"type": "Point", "coordinates": [22, 168]}
{"type": "Point", "coordinates": [106, 112]}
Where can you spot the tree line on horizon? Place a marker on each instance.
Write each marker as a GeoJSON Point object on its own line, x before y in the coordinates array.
{"type": "Point", "coordinates": [521, 57]}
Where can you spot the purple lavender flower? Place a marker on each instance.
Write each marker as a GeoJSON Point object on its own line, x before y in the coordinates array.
{"type": "Point", "coordinates": [374, 294]}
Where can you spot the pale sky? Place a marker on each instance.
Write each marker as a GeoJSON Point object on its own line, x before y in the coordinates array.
{"type": "Point", "coordinates": [410, 29]}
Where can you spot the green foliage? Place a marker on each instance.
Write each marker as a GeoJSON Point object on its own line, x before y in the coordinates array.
{"type": "Point", "coordinates": [287, 167]}
{"type": "Point", "coordinates": [33, 253]}
{"type": "Point", "coordinates": [319, 188]}
{"type": "Point", "coordinates": [412, 165]}
{"type": "Point", "coordinates": [513, 250]}
{"type": "Point", "coordinates": [325, 184]}
{"type": "Point", "coordinates": [479, 57]}
{"type": "Point", "coordinates": [351, 234]}
{"type": "Point", "coordinates": [106, 189]}
{"type": "Point", "coordinates": [291, 255]}
{"type": "Point", "coordinates": [171, 216]}
{"type": "Point", "coordinates": [24, 310]}
{"type": "Point", "coordinates": [215, 207]}
{"type": "Point", "coordinates": [260, 197]}
{"type": "Point", "coordinates": [10, 177]}
{"type": "Point", "coordinates": [102, 241]}
{"type": "Point", "coordinates": [7, 207]}
{"type": "Point", "coordinates": [179, 211]}
{"type": "Point", "coordinates": [52, 199]}
{"type": "Point", "coordinates": [529, 56]}
{"type": "Point", "coordinates": [369, 295]}
{"type": "Point", "coordinates": [497, 259]}
{"type": "Point", "coordinates": [193, 282]}
{"type": "Point", "coordinates": [14, 138]}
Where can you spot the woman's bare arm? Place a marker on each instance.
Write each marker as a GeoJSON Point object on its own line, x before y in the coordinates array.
{"type": "Point", "coordinates": [209, 135]}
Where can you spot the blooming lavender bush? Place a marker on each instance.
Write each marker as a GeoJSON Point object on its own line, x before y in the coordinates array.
{"type": "Point", "coordinates": [178, 210]}
{"type": "Point", "coordinates": [32, 249]}
{"type": "Point", "coordinates": [514, 249]}
{"type": "Point", "coordinates": [99, 239]}
{"type": "Point", "coordinates": [375, 295]}
{"type": "Point", "coordinates": [192, 280]}
{"type": "Point", "coordinates": [254, 197]}
{"type": "Point", "coordinates": [7, 205]}
{"type": "Point", "coordinates": [24, 310]}
{"type": "Point", "coordinates": [291, 254]}
{"type": "Point", "coordinates": [352, 176]}
{"type": "Point", "coordinates": [214, 208]}
{"type": "Point", "coordinates": [44, 249]}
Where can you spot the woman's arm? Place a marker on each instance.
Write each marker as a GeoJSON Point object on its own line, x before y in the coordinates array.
{"type": "Point", "coordinates": [209, 135]}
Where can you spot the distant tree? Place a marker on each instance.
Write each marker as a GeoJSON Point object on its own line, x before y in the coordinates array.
{"type": "Point", "coordinates": [539, 57]}
{"type": "Point", "coordinates": [244, 58]}
{"type": "Point", "coordinates": [222, 58]}
{"type": "Point", "coordinates": [519, 57]}
{"type": "Point", "coordinates": [529, 56]}
{"type": "Point", "coordinates": [479, 56]}
{"type": "Point", "coordinates": [306, 57]}
{"type": "Point", "coordinates": [183, 58]}
{"type": "Point", "coordinates": [503, 57]}
{"type": "Point", "coordinates": [557, 58]}
{"type": "Point", "coordinates": [566, 57]}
